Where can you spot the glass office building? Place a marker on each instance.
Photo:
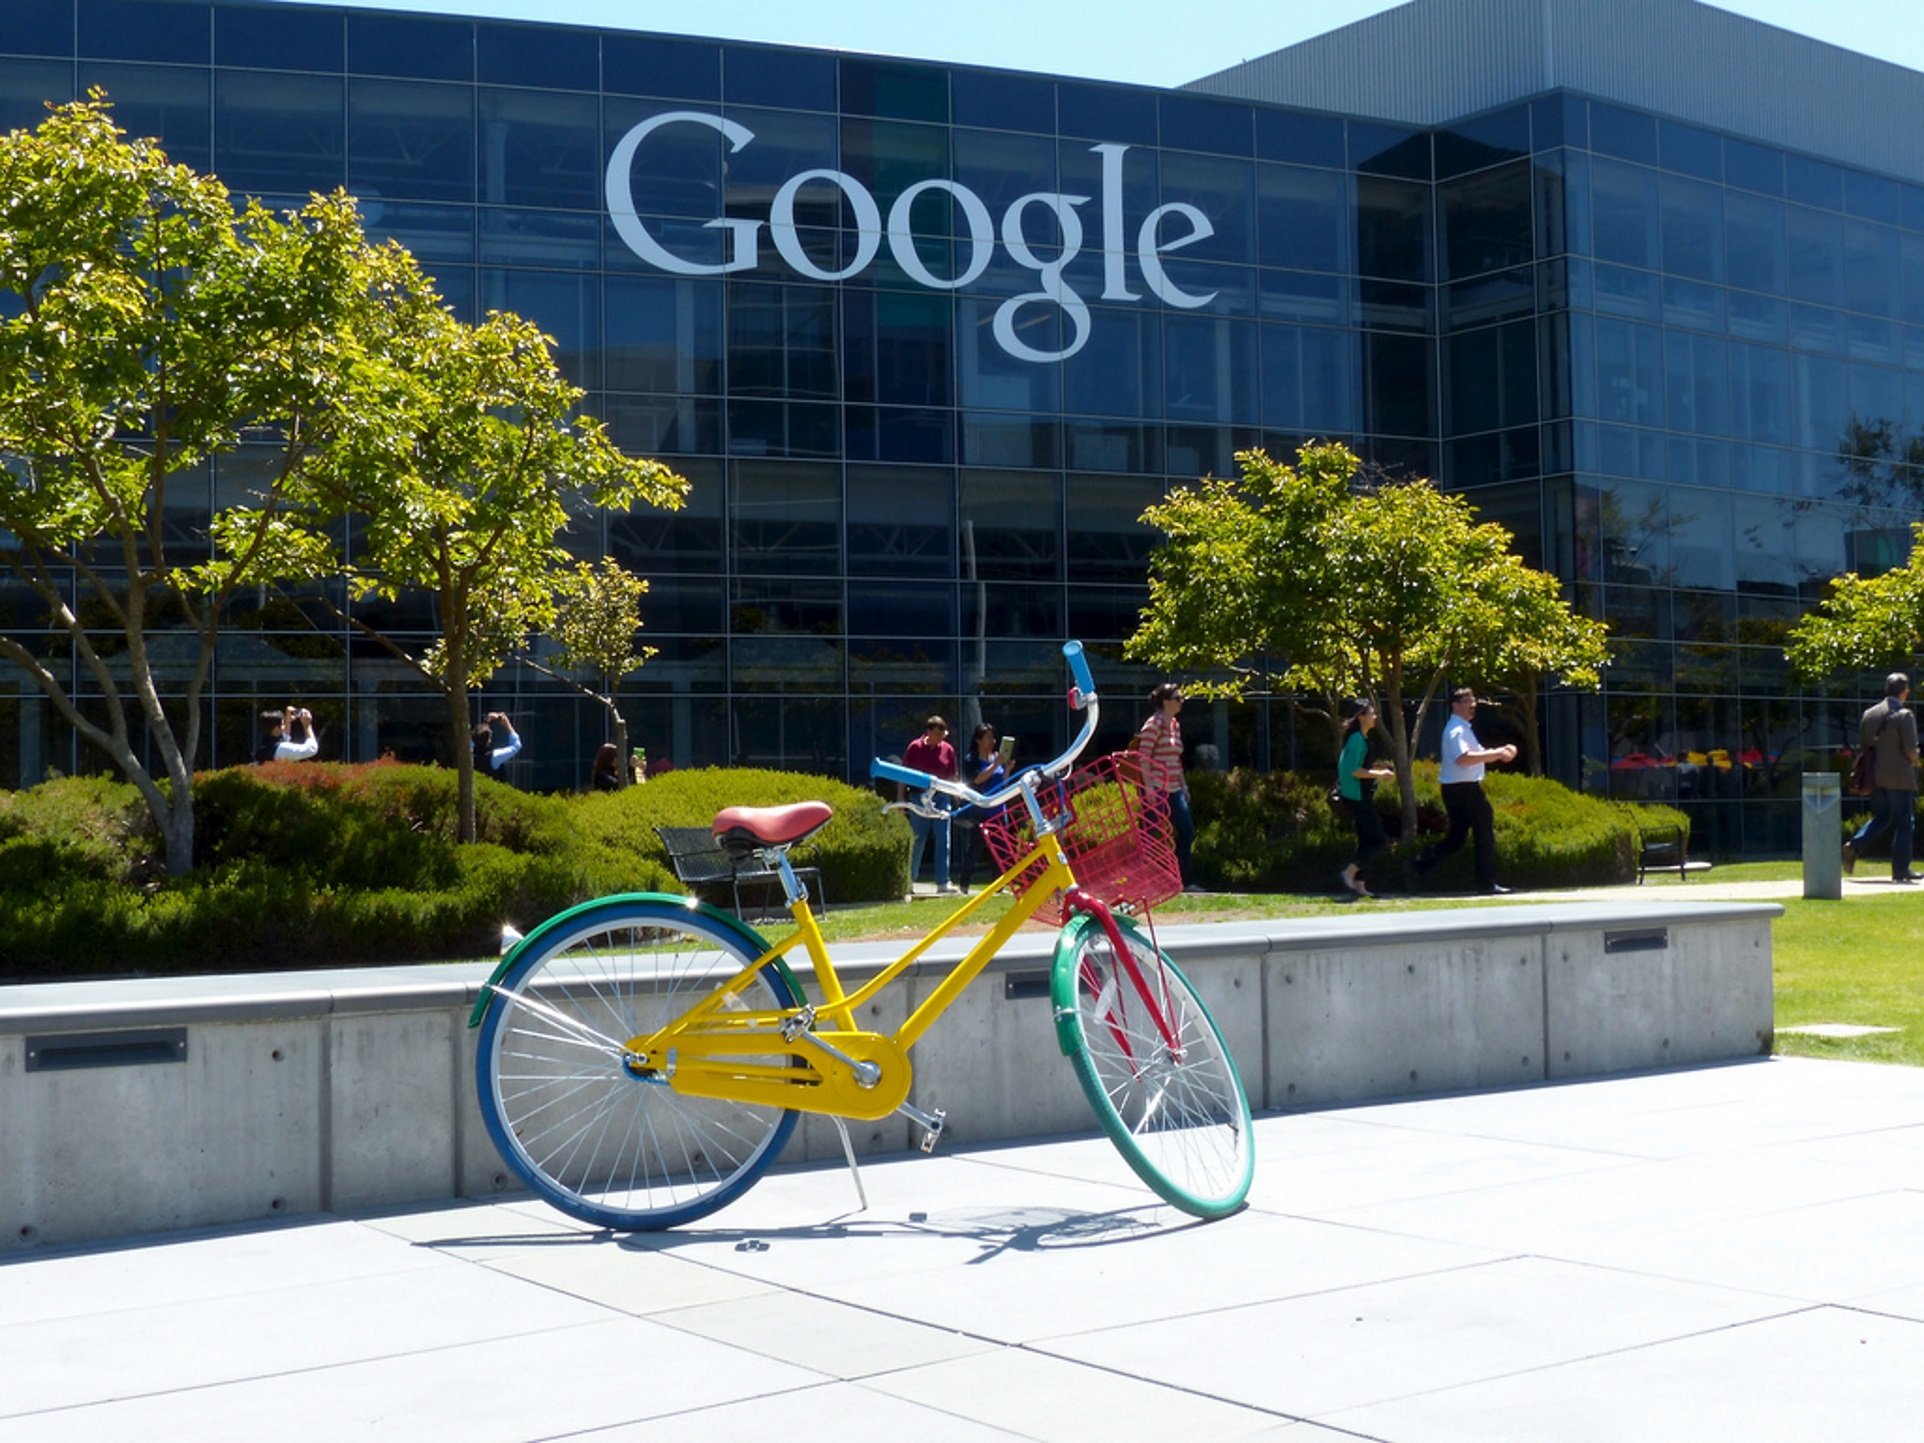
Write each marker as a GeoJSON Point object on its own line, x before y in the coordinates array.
{"type": "Point", "coordinates": [927, 339]}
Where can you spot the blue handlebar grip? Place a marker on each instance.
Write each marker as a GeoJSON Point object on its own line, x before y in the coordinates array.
{"type": "Point", "coordinates": [1079, 667]}
{"type": "Point", "coordinates": [895, 772]}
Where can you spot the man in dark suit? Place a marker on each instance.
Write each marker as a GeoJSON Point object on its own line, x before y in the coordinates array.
{"type": "Point", "coordinates": [1890, 728]}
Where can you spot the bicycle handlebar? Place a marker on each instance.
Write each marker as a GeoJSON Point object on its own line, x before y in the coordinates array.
{"type": "Point", "coordinates": [1082, 697]}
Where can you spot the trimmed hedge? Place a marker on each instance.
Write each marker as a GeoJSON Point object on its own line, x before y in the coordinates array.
{"type": "Point", "coordinates": [1276, 831]}
{"type": "Point", "coordinates": [309, 864]}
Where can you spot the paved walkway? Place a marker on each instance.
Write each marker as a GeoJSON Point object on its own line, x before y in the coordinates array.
{"type": "Point", "coordinates": [1730, 1252]}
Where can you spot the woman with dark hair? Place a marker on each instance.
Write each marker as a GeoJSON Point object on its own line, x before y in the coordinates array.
{"type": "Point", "coordinates": [606, 776]}
{"type": "Point", "coordinates": [983, 769]}
{"type": "Point", "coordinates": [1356, 781]}
{"type": "Point", "coordinates": [1159, 744]}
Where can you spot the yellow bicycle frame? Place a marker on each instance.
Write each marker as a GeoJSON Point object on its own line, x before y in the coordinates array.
{"type": "Point", "coordinates": [780, 1059]}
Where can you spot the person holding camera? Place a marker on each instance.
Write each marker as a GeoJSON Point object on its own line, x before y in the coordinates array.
{"type": "Point", "coordinates": [489, 759]}
{"type": "Point", "coordinates": [278, 743]}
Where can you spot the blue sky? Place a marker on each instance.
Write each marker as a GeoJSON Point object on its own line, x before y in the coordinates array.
{"type": "Point", "coordinates": [1145, 42]}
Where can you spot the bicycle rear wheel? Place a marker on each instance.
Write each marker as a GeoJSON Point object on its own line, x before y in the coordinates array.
{"type": "Point", "coordinates": [602, 1142]}
{"type": "Point", "coordinates": [1154, 1067]}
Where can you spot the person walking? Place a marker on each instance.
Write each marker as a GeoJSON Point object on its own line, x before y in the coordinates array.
{"type": "Point", "coordinates": [1159, 744]}
{"type": "Point", "coordinates": [1461, 773]}
{"type": "Point", "coordinates": [1356, 781]}
{"type": "Point", "coordinates": [1889, 729]}
{"type": "Point", "coordinates": [930, 753]}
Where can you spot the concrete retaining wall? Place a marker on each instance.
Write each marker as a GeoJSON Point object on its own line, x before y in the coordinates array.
{"type": "Point", "coordinates": [143, 1106]}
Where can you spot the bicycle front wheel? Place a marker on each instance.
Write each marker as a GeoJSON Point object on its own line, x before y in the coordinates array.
{"type": "Point", "coordinates": [603, 1142]}
{"type": "Point", "coordinates": [1154, 1067]}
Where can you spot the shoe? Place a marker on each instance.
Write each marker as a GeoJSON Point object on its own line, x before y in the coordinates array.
{"type": "Point", "coordinates": [1850, 859]}
{"type": "Point", "coordinates": [1910, 877]}
{"type": "Point", "coordinates": [1495, 889]}
{"type": "Point", "coordinates": [1361, 891]}
{"type": "Point", "coordinates": [947, 889]}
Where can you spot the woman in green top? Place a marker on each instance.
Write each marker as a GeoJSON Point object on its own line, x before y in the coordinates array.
{"type": "Point", "coordinates": [1356, 781]}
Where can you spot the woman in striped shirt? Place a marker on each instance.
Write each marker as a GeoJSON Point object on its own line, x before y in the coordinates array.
{"type": "Point", "coordinates": [1159, 742]}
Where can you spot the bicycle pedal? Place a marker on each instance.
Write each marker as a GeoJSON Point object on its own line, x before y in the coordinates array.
{"type": "Point", "coordinates": [937, 1120]}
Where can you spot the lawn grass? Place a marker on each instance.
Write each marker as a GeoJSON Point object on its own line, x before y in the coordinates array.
{"type": "Point", "coordinates": [1853, 962]}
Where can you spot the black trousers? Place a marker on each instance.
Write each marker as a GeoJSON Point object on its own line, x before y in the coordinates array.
{"type": "Point", "coordinates": [1370, 837]}
{"type": "Point", "coordinates": [1469, 812]}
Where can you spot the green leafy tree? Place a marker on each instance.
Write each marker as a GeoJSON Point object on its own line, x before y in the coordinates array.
{"type": "Point", "coordinates": [146, 328]}
{"type": "Point", "coordinates": [469, 505]}
{"type": "Point", "coordinates": [1863, 624]}
{"type": "Point", "coordinates": [1381, 590]}
{"type": "Point", "coordinates": [1524, 637]}
{"type": "Point", "coordinates": [597, 613]}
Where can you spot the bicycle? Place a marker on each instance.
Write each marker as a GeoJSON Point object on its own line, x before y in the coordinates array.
{"type": "Point", "coordinates": [643, 1058]}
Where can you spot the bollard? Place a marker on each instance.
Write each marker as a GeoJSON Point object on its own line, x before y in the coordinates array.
{"type": "Point", "coordinates": [1823, 835]}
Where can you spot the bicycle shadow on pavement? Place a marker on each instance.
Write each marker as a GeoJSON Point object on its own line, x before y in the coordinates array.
{"type": "Point", "coordinates": [996, 1230]}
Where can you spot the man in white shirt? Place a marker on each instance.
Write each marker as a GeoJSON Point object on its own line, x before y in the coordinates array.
{"type": "Point", "coordinates": [1462, 776]}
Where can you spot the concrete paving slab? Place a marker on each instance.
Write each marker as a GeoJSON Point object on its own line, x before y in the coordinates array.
{"type": "Point", "coordinates": [1317, 1355]}
{"type": "Point", "coordinates": [780, 1415]}
{"type": "Point", "coordinates": [1721, 1252]}
{"type": "Point", "coordinates": [1818, 1373]}
{"type": "Point", "coordinates": [1057, 1400]}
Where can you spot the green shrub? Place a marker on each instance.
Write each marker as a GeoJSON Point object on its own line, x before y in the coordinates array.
{"type": "Point", "coordinates": [1277, 831]}
{"type": "Point", "coordinates": [863, 852]}
{"type": "Point", "coordinates": [317, 864]}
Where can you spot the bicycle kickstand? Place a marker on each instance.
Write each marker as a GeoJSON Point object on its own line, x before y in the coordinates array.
{"type": "Point", "coordinates": [931, 1123]}
{"type": "Point", "coordinates": [848, 1151]}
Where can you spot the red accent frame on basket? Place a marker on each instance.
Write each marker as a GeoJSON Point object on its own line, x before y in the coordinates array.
{"type": "Point", "coordinates": [1117, 836]}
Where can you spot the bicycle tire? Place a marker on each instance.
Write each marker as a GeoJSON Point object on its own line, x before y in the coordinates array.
{"type": "Point", "coordinates": [602, 1144]}
{"type": "Point", "coordinates": [1177, 1113]}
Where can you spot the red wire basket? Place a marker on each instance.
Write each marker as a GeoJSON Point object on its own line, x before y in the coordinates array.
{"type": "Point", "coordinates": [1115, 832]}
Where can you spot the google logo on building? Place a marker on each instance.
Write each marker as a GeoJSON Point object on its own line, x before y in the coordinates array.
{"type": "Point", "coordinates": [1165, 229]}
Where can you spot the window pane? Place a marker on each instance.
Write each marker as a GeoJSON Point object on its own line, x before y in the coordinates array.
{"type": "Point", "coordinates": [1624, 213]}
{"type": "Point", "coordinates": [163, 103]}
{"type": "Point", "coordinates": [664, 334]}
{"type": "Point", "coordinates": [1393, 229]}
{"type": "Point", "coordinates": [1011, 526]}
{"type": "Point", "coordinates": [1486, 221]}
{"type": "Point", "coordinates": [1693, 229]}
{"type": "Point", "coordinates": [786, 517]}
{"type": "Point", "coordinates": [901, 522]}
{"type": "Point", "coordinates": [1302, 217]}
{"type": "Point", "coordinates": [410, 141]}
{"type": "Point", "coordinates": [279, 133]}
{"type": "Point", "coordinates": [539, 150]}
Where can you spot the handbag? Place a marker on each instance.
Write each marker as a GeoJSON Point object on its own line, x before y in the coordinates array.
{"type": "Point", "coordinates": [1336, 798]}
{"type": "Point", "coordinates": [1863, 776]}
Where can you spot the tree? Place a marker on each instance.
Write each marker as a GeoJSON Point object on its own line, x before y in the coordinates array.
{"type": "Point", "coordinates": [468, 505]}
{"type": "Point", "coordinates": [1529, 638]}
{"type": "Point", "coordinates": [1383, 590]}
{"type": "Point", "coordinates": [145, 327]}
{"type": "Point", "coordinates": [597, 613]}
{"type": "Point", "coordinates": [1863, 624]}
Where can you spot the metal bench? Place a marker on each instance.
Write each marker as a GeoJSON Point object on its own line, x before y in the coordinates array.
{"type": "Point", "coordinates": [708, 872]}
{"type": "Point", "coordinates": [1662, 848]}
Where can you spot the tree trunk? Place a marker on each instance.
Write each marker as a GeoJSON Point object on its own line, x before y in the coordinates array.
{"type": "Point", "coordinates": [618, 725]}
{"type": "Point", "coordinates": [1401, 757]}
{"type": "Point", "coordinates": [1526, 705]}
{"type": "Point", "coordinates": [460, 730]}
